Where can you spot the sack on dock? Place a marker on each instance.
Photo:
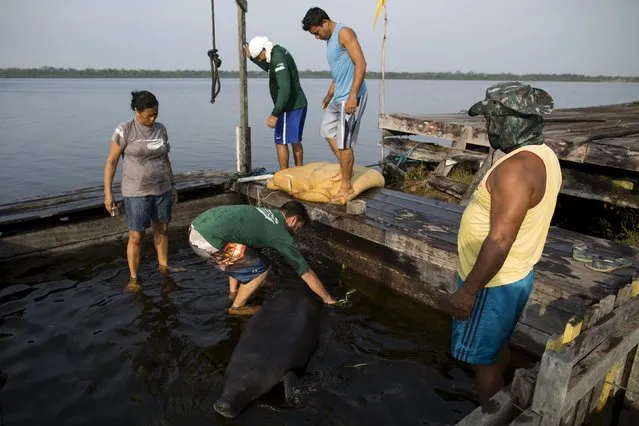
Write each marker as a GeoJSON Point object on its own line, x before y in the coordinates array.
{"type": "Point", "coordinates": [313, 182]}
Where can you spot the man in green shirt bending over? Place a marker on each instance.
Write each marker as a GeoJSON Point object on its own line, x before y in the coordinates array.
{"type": "Point", "coordinates": [230, 236]}
{"type": "Point", "coordinates": [289, 111]}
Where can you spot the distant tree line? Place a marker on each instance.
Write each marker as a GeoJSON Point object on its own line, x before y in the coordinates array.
{"type": "Point", "coordinates": [51, 72]}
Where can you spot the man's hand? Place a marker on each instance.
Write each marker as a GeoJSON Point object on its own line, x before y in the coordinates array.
{"type": "Point", "coordinates": [246, 50]}
{"type": "Point", "coordinates": [271, 121]}
{"type": "Point", "coordinates": [326, 101]}
{"type": "Point", "coordinates": [351, 105]}
{"type": "Point", "coordinates": [330, 301]}
{"type": "Point", "coordinates": [461, 304]}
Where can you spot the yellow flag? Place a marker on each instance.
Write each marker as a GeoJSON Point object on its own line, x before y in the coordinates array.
{"type": "Point", "coordinates": [380, 5]}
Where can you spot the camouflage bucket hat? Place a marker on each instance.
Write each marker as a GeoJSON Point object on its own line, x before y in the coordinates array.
{"type": "Point", "coordinates": [504, 98]}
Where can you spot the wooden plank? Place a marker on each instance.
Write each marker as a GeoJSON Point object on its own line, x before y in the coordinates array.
{"type": "Point", "coordinates": [553, 375]}
{"type": "Point", "coordinates": [77, 235]}
{"type": "Point", "coordinates": [631, 383]}
{"type": "Point", "coordinates": [523, 386]}
{"type": "Point", "coordinates": [593, 315]}
{"type": "Point", "coordinates": [601, 188]}
{"type": "Point", "coordinates": [378, 193]}
{"type": "Point", "coordinates": [483, 169]}
{"type": "Point", "coordinates": [587, 342]}
{"type": "Point", "coordinates": [430, 152]}
{"type": "Point", "coordinates": [93, 197]}
{"type": "Point", "coordinates": [613, 154]}
{"type": "Point", "coordinates": [569, 132]}
{"type": "Point", "coordinates": [598, 396]}
{"type": "Point", "coordinates": [445, 167]}
{"type": "Point", "coordinates": [448, 186]}
{"type": "Point", "coordinates": [551, 389]}
{"type": "Point", "coordinates": [462, 131]}
{"type": "Point", "coordinates": [496, 412]}
{"type": "Point", "coordinates": [599, 362]}
{"type": "Point", "coordinates": [527, 418]}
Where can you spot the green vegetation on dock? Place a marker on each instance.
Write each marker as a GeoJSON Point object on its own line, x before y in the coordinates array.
{"type": "Point", "coordinates": [51, 72]}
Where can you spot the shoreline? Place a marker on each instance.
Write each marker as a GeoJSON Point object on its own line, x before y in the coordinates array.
{"type": "Point", "coordinates": [50, 72]}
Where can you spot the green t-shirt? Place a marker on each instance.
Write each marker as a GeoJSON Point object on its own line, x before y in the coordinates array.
{"type": "Point", "coordinates": [284, 81]}
{"type": "Point", "coordinates": [255, 227]}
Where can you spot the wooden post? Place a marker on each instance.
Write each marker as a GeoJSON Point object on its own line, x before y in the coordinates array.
{"type": "Point", "coordinates": [243, 131]}
{"type": "Point", "coordinates": [554, 375]}
{"type": "Point", "coordinates": [632, 395]}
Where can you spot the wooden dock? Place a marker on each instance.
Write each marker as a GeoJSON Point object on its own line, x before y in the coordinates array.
{"type": "Point", "coordinates": [598, 147]}
{"type": "Point", "coordinates": [410, 243]}
{"type": "Point", "coordinates": [77, 219]}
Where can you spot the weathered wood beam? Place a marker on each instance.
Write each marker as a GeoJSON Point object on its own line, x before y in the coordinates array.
{"type": "Point", "coordinates": [527, 418]}
{"type": "Point", "coordinates": [430, 152]}
{"type": "Point", "coordinates": [492, 156]}
{"type": "Point", "coordinates": [496, 412]}
{"type": "Point", "coordinates": [551, 389]}
{"type": "Point", "coordinates": [459, 132]}
{"type": "Point", "coordinates": [243, 131]}
{"type": "Point", "coordinates": [597, 364]}
{"type": "Point", "coordinates": [447, 185]}
{"type": "Point", "coordinates": [587, 342]}
{"type": "Point", "coordinates": [73, 236]}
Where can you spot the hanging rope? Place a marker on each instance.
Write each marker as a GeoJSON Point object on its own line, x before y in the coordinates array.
{"type": "Point", "coordinates": [215, 60]}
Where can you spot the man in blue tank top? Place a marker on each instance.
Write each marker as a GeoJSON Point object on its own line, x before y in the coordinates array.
{"type": "Point", "coordinates": [345, 101]}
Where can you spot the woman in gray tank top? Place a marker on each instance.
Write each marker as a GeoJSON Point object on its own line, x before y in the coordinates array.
{"type": "Point", "coordinates": [147, 184]}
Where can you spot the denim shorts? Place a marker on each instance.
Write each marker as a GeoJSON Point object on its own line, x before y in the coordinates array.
{"type": "Point", "coordinates": [141, 211]}
{"type": "Point", "coordinates": [479, 339]}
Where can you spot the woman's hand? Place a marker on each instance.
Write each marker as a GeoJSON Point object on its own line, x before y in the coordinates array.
{"type": "Point", "coordinates": [109, 204]}
{"type": "Point", "coordinates": [174, 195]}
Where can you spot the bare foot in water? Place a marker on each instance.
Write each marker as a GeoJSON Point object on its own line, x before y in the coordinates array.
{"type": "Point", "coordinates": [133, 285]}
{"type": "Point", "coordinates": [167, 268]}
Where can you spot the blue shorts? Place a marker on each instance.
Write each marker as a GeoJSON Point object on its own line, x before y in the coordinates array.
{"type": "Point", "coordinates": [250, 264]}
{"type": "Point", "coordinates": [290, 126]}
{"type": "Point", "coordinates": [240, 261]}
{"type": "Point", "coordinates": [141, 211]}
{"type": "Point", "coordinates": [479, 339]}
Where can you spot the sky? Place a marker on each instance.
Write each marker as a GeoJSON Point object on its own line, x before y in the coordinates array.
{"type": "Point", "coordinates": [592, 37]}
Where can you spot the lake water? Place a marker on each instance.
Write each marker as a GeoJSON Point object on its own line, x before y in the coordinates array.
{"type": "Point", "coordinates": [55, 133]}
{"type": "Point", "coordinates": [75, 349]}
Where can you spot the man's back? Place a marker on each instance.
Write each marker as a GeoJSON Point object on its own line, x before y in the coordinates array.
{"type": "Point", "coordinates": [243, 224]}
{"type": "Point", "coordinates": [342, 66]}
{"type": "Point", "coordinates": [528, 246]}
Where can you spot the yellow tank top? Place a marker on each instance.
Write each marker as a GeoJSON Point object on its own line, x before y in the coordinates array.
{"type": "Point", "coordinates": [529, 244]}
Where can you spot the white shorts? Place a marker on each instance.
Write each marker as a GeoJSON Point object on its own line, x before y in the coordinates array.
{"type": "Point", "coordinates": [199, 244]}
{"type": "Point", "coordinates": [340, 126]}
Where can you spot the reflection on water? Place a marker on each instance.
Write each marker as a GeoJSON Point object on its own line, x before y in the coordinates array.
{"type": "Point", "coordinates": [75, 350]}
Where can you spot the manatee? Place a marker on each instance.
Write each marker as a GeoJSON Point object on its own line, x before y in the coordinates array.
{"type": "Point", "coordinates": [275, 346]}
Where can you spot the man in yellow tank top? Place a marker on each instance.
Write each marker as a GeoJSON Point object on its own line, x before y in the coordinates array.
{"type": "Point", "coordinates": [503, 231]}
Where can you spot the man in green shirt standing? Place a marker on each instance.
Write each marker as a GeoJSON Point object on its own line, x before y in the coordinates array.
{"type": "Point", "coordinates": [289, 111]}
{"type": "Point", "coordinates": [230, 236]}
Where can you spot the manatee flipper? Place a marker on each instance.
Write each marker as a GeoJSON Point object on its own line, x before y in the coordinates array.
{"type": "Point", "coordinates": [289, 381]}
